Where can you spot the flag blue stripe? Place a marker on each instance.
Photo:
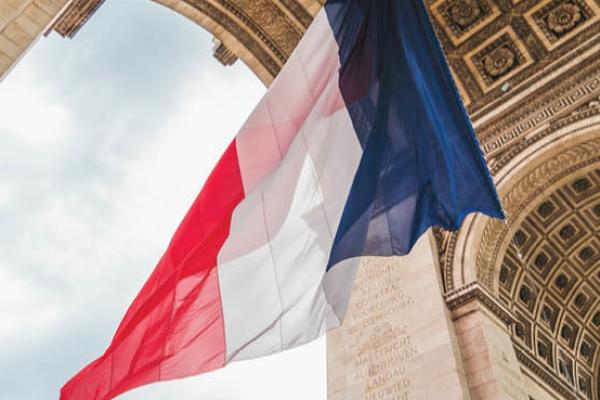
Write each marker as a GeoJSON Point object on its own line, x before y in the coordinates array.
{"type": "Point", "coordinates": [421, 164]}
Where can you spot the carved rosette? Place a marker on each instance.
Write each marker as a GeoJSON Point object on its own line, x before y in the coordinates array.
{"type": "Point", "coordinates": [465, 12]}
{"type": "Point", "coordinates": [462, 19]}
{"type": "Point", "coordinates": [499, 61]}
{"type": "Point", "coordinates": [558, 21]}
{"type": "Point", "coordinates": [564, 18]}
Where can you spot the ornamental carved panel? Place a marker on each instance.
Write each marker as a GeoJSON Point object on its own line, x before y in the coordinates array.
{"type": "Point", "coordinates": [498, 48]}
{"type": "Point", "coordinates": [499, 58]}
{"type": "Point", "coordinates": [557, 21]}
{"type": "Point", "coordinates": [461, 19]}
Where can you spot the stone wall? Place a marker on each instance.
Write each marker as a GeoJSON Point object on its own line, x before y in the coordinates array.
{"type": "Point", "coordinates": [397, 341]}
{"type": "Point", "coordinates": [21, 23]}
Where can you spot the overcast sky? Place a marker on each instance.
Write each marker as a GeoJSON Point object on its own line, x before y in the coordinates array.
{"type": "Point", "coordinates": [105, 140]}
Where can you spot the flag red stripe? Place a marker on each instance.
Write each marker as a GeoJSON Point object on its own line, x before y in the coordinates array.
{"type": "Point", "coordinates": [174, 328]}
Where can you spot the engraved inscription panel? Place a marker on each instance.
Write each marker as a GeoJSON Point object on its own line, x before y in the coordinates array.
{"type": "Point", "coordinates": [396, 339]}
{"type": "Point", "coordinates": [381, 356]}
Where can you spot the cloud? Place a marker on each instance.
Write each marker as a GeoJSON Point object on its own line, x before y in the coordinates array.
{"type": "Point", "coordinates": [108, 140]}
{"type": "Point", "coordinates": [50, 126]}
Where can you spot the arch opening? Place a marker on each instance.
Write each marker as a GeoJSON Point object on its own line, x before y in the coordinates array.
{"type": "Point", "coordinates": [262, 33]}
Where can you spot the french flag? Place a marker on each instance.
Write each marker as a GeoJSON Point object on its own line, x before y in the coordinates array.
{"type": "Point", "coordinates": [360, 145]}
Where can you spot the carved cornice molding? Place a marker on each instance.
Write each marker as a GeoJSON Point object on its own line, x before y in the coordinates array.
{"type": "Point", "coordinates": [75, 16]}
{"type": "Point", "coordinates": [474, 291]}
{"type": "Point", "coordinates": [542, 107]}
{"type": "Point", "coordinates": [223, 53]}
{"type": "Point", "coordinates": [570, 118]}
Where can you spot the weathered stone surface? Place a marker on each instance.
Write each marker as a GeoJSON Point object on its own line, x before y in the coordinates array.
{"type": "Point", "coordinates": [490, 363]}
{"type": "Point", "coordinates": [21, 23]}
{"type": "Point", "coordinates": [397, 340]}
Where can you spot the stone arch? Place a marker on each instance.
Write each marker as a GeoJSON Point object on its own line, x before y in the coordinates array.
{"type": "Point", "coordinates": [551, 286]}
{"type": "Point", "coordinates": [550, 189]}
{"type": "Point", "coordinates": [476, 252]}
{"type": "Point", "coordinates": [262, 33]}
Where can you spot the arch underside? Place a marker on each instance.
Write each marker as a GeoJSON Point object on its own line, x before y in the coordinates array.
{"type": "Point", "coordinates": [545, 264]}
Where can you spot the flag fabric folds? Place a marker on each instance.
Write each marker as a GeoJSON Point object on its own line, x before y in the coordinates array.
{"type": "Point", "coordinates": [359, 146]}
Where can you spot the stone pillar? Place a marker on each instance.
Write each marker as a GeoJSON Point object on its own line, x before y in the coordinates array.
{"type": "Point", "coordinates": [489, 359]}
{"type": "Point", "coordinates": [397, 340]}
{"type": "Point", "coordinates": [21, 23]}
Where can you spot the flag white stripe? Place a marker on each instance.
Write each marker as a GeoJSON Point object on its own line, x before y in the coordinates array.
{"type": "Point", "coordinates": [273, 265]}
